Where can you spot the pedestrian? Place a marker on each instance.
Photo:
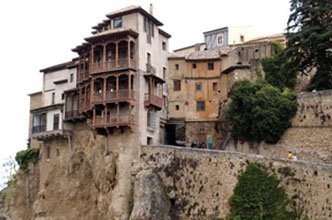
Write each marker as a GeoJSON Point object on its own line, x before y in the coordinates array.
{"type": "Point", "coordinates": [192, 145]}
{"type": "Point", "coordinates": [203, 145]}
{"type": "Point", "coordinates": [294, 157]}
{"type": "Point", "coordinates": [290, 155]}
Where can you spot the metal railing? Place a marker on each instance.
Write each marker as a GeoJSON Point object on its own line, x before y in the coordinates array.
{"type": "Point", "coordinates": [38, 128]}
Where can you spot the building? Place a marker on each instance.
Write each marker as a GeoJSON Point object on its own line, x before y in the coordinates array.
{"type": "Point", "coordinates": [228, 36]}
{"type": "Point", "coordinates": [115, 85]}
{"type": "Point", "coordinates": [200, 85]}
{"type": "Point", "coordinates": [46, 107]}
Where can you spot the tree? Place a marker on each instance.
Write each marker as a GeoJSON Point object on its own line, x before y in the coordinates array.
{"type": "Point", "coordinates": [257, 195]}
{"type": "Point", "coordinates": [309, 40]}
{"type": "Point", "coordinates": [259, 111]}
{"type": "Point", "coordinates": [275, 69]}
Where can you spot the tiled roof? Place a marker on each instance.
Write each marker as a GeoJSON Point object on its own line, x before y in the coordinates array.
{"type": "Point", "coordinates": [122, 10]}
{"type": "Point", "coordinates": [266, 39]}
{"type": "Point", "coordinates": [211, 54]}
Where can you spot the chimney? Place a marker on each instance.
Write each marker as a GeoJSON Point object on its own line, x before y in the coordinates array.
{"type": "Point", "coordinates": [151, 9]}
{"type": "Point", "coordinates": [197, 47]}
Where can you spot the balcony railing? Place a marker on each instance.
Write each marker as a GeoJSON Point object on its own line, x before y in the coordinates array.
{"type": "Point", "coordinates": [38, 128]}
{"type": "Point", "coordinates": [113, 120]}
{"type": "Point", "coordinates": [113, 96]}
{"type": "Point", "coordinates": [74, 114]}
{"type": "Point", "coordinates": [150, 69]}
{"type": "Point", "coordinates": [113, 64]}
{"type": "Point", "coordinates": [150, 99]}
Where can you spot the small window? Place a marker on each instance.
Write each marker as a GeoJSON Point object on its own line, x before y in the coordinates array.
{"type": "Point", "coordinates": [56, 122]}
{"type": "Point", "coordinates": [149, 141]}
{"type": "Point", "coordinates": [164, 73]}
{"type": "Point", "coordinates": [164, 45]}
{"type": "Point", "coordinates": [220, 39]}
{"type": "Point", "coordinates": [210, 66]}
{"type": "Point", "coordinates": [177, 85]}
{"type": "Point", "coordinates": [145, 24]}
{"type": "Point", "coordinates": [53, 98]}
{"type": "Point", "coordinates": [200, 106]}
{"type": "Point", "coordinates": [215, 86]}
{"type": "Point", "coordinates": [201, 129]}
{"type": "Point", "coordinates": [194, 65]}
{"type": "Point", "coordinates": [117, 23]}
{"type": "Point", "coordinates": [242, 38]}
{"type": "Point", "coordinates": [62, 96]}
{"type": "Point", "coordinates": [198, 86]}
{"type": "Point", "coordinates": [177, 107]}
{"type": "Point", "coordinates": [48, 153]}
{"type": "Point", "coordinates": [71, 77]}
{"type": "Point", "coordinates": [176, 66]}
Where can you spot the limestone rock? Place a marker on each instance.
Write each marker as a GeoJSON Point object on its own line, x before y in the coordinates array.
{"type": "Point", "coordinates": [150, 199]}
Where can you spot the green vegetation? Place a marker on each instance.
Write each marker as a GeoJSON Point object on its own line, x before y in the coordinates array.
{"type": "Point", "coordinates": [257, 195]}
{"type": "Point", "coordinates": [259, 111]}
{"type": "Point", "coordinates": [24, 157]}
{"type": "Point", "coordinates": [309, 31]}
{"type": "Point", "coordinates": [275, 69]}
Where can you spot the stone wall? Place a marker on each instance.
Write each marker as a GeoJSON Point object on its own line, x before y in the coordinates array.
{"type": "Point", "coordinates": [200, 182]}
{"type": "Point", "coordinates": [310, 135]}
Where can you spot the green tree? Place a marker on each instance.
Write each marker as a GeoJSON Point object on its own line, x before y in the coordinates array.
{"type": "Point", "coordinates": [24, 157]}
{"type": "Point", "coordinates": [259, 111]}
{"type": "Point", "coordinates": [309, 40]}
{"type": "Point", "coordinates": [275, 69]}
{"type": "Point", "coordinates": [257, 196]}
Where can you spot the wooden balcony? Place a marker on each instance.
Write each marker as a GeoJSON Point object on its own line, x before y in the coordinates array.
{"type": "Point", "coordinates": [113, 96]}
{"type": "Point", "coordinates": [73, 115]}
{"type": "Point", "coordinates": [153, 100]}
{"type": "Point", "coordinates": [114, 121]}
{"type": "Point", "coordinates": [113, 65]}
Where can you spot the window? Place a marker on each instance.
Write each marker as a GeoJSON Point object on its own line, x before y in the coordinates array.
{"type": "Point", "coordinates": [201, 129]}
{"type": "Point", "coordinates": [48, 153]}
{"type": "Point", "coordinates": [164, 73]}
{"type": "Point", "coordinates": [53, 98]}
{"type": "Point", "coordinates": [117, 23]}
{"type": "Point", "coordinates": [149, 141]}
{"type": "Point", "coordinates": [215, 86]}
{"type": "Point", "coordinates": [149, 27]}
{"type": "Point", "coordinates": [56, 122]}
{"type": "Point", "coordinates": [242, 38]}
{"type": "Point", "coordinates": [194, 65]}
{"type": "Point", "coordinates": [177, 85]}
{"type": "Point", "coordinates": [220, 39]}
{"type": "Point", "coordinates": [198, 86]}
{"type": "Point", "coordinates": [71, 77]}
{"type": "Point", "coordinates": [210, 66]}
{"type": "Point", "coordinates": [164, 46]}
{"type": "Point", "coordinates": [62, 96]}
{"type": "Point", "coordinates": [148, 58]}
{"type": "Point", "coordinates": [200, 106]}
{"type": "Point", "coordinates": [177, 107]}
{"type": "Point", "coordinates": [176, 66]}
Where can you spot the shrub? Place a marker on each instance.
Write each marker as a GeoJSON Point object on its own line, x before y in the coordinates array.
{"type": "Point", "coordinates": [24, 157]}
{"type": "Point", "coordinates": [259, 111]}
{"type": "Point", "coordinates": [257, 195]}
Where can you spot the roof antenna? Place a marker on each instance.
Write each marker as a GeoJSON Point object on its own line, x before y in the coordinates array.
{"type": "Point", "coordinates": [151, 9]}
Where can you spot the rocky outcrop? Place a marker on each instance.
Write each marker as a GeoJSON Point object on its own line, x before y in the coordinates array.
{"type": "Point", "coordinates": [150, 199]}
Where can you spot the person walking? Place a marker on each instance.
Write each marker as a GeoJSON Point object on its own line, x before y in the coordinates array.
{"type": "Point", "coordinates": [294, 157]}
{"type": "Point", "coordinates": [290, 155]}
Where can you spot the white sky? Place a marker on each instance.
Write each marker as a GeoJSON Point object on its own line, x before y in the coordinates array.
{"type": "Point", "coordinates": [37, 33]}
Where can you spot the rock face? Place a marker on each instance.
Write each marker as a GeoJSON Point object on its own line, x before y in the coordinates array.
{"type": "Point", "coordinates": [150, 199]}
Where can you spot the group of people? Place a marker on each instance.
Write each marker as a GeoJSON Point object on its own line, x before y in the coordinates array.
{"type": "Point", "coordinates": [292, 156]}
{"type": "Point", "coordinates": [198, 145]}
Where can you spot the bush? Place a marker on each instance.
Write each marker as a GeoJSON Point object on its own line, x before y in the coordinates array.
{"type": "Point", "coordinates": [24, 157]}
{"type": "Point", "coordinates": [277, 68]}
{"type": "Point", "coordinates": [259, 111]}
{"type": "Point", "coordinates": [257, 195]}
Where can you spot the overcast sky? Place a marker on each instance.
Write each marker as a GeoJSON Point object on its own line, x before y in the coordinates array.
{"type": "Point", "coordinates": [39, 33]}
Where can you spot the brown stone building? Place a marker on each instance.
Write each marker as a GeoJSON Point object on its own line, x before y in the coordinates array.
{"type": "Point", "coordinates": [200, 84]}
